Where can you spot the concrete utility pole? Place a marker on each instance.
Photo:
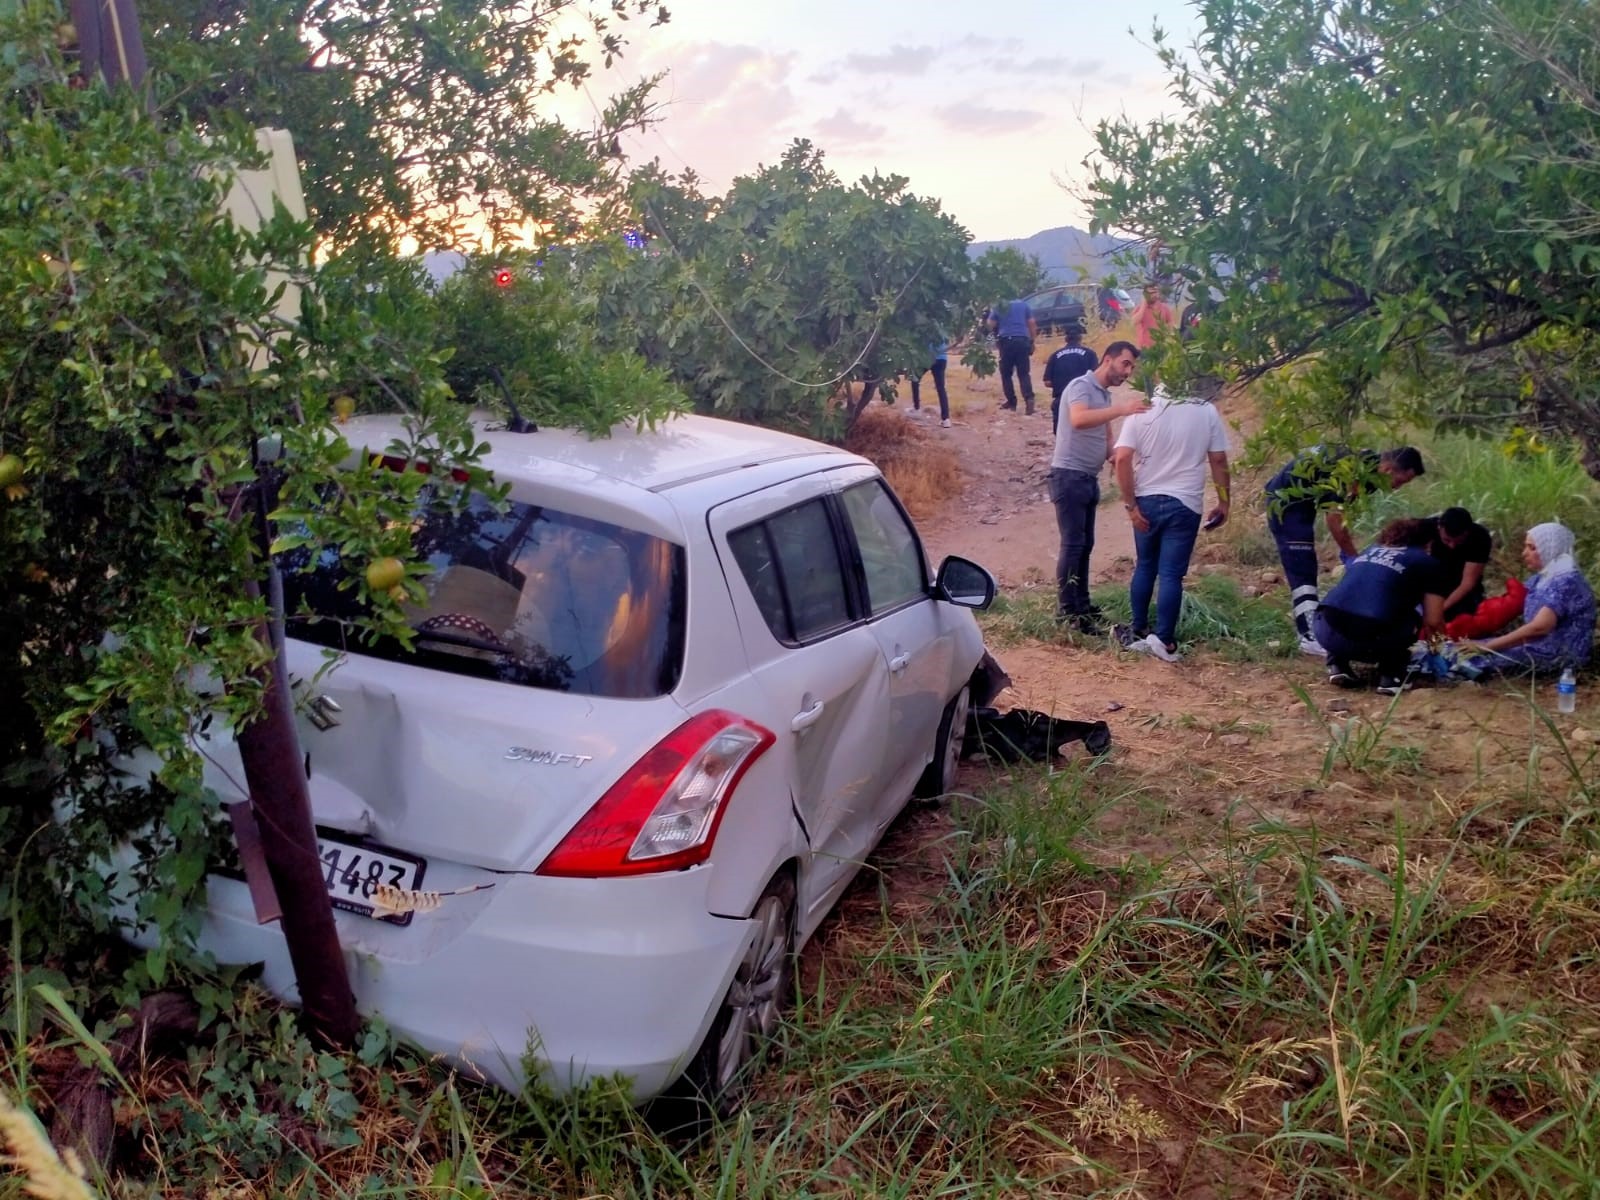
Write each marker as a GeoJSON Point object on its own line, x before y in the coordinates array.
{"type": "Point", "coordinates": [109, 45]}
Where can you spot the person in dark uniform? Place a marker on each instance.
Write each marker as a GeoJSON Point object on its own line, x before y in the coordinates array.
{"type": "Point", "coordinates": [1065, 365]}
{"type": "Point", "coordinates": [1015, 329]}
{"type": "Point", "coordinates": [1462, 547]}
{"type": "Point", "coordinates": [1321, 479]}
{"type": "Point", "coordinates": [1370, 615]}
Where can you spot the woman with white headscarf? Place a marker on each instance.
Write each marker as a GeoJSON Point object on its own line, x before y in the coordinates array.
{"type": "Point", "coordinates": [1558, 616]}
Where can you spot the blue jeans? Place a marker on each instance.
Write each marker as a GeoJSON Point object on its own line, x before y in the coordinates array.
{"type": "Point", "coordinates": [1163, 555]}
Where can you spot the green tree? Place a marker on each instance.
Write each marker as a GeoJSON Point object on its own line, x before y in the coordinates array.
{"type": "Point", "coordinates": [416, 125]}
{"type": "Point", "coordinates": [1003, 273]}
{"type": "Point", "coordinates": [791, 299]}
{"type": "Point", "coordinates": [162, 425]}
{"type": "Point", "coordinates": [1401, 193]}
{"type": "Point", "coordinates": [523, 339]}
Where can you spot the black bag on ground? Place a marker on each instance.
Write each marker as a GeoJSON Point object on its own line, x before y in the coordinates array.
{"type": "Point", "coordinates": [1023, 734]}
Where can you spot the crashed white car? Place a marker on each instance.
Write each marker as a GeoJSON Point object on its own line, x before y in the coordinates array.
{"type": "Point", "coordinates": [664, 701]}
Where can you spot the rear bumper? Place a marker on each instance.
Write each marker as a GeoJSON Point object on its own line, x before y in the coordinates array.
{"type": "Point", "coordinates": [594, 977]}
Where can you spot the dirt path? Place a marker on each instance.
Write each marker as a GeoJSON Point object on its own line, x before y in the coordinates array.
{"type": "Point", "coordinates": [1004, 519]}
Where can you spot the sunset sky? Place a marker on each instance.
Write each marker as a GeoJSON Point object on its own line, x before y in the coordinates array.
{"type": "Point", "coordinates": [986, 106]}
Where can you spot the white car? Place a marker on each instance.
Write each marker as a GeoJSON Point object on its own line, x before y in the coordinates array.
{"type": "Point", "coordinates": [660, 708]}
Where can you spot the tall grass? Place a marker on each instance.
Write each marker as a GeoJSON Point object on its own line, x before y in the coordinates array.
{"type": "Point", "coordinates": [1508, 495]}
{"type": "Point", "coordinates": [1216, 616]}
{"type": "Point", "coordinates": [1268, 1013]}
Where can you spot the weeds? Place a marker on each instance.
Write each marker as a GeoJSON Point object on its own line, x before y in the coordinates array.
{"type": "Point", "coordinates": [1361, 744]}
{"type": "Point", "coordinates": [1216, 615]}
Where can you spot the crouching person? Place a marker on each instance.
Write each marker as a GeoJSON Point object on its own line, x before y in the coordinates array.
{"type": "Point", "coordinates": [1370, 616]}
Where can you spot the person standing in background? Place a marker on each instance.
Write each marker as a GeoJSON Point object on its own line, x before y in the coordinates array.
{"type": "Point", "coordinates": [1152, 315]}
{"type": "Point", "coordinates": [1081, 450]}
{"type": "Point", "coordinates": [1015, 329]}
{"type": "Point", "coordinates": [1162, 457]}
{"type": "Point", "coordinates": [941, 357]}
{"type": "Point", "coordinates": [1065, 365]}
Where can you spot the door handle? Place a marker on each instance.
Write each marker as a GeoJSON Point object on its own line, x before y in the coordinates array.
{"type": "Point", "coordinates": [898, 663]}
{"type": "Point", "coordinates": [808, 718]}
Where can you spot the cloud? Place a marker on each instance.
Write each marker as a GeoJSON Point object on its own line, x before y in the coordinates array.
{"type": "Point", "coordinates": [726, 108]}
{"type": "Point", "coordinates": [845, 131]}
{"type": "Point", "coordinates": [978, 42]}
{"type": "Point", "coordinates": [896, 60]}
{"type": "Point", "coordinates": [979, 118]}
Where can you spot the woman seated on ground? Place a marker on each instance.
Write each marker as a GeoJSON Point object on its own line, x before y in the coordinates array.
{"type": "Point", "coordinates": [1370, 615]}
{"type": "Point", "coordinates": [1558, 615]}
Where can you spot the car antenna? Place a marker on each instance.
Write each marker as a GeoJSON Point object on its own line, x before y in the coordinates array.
{"type": "Point", "coordinates": [517, 422]}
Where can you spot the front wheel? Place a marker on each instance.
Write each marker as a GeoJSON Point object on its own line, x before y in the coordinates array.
{"type": "Point", "coordinates": [719, 1074]}
{"type": "Point", "coordinates": [940, 776]}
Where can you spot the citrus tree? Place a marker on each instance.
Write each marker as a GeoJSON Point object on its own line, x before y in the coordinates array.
{"type": "Point", "coordinates": [1399, 199]}
{"type": "Point", "coordinates": [789, 300]}
{"type": "Point", "coordinates": [162, 424]}
{"type": "Point", "coordinates": [416, 125]}
{"type": "Point", "coordinates": [518, 336]}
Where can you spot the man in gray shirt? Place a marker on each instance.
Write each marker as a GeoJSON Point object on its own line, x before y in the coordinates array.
{"type": "Point", "coordinates": [1082, 448]}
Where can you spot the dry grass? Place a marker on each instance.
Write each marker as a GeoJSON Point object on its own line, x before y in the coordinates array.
{"type": "Point", "coordinates": [32, 1156]}
{"type": "Point", "coordinates": [923, 470]}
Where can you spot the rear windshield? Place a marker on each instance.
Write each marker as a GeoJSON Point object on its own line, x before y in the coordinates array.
{"type": "Point", "coordinates": [518, 593]}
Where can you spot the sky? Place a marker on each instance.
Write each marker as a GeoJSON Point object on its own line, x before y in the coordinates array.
{"type": "Point", "coordinates": [986, 106]}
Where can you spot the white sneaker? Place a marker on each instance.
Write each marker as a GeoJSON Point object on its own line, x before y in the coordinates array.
{"type": "Point", "coordinates": [1159, 648]}
{"type": "Point", "coordinates": [1140, 646]}
{"type": "Point", "coordinates": [1310, 645]}
{"type": "Point", "coordinates": [945, 424]}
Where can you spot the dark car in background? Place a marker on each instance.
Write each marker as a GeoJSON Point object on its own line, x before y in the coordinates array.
{"type": "Point", "coordinates": [1055, 308]}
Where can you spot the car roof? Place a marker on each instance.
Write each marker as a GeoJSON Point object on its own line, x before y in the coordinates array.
{"type": "Point", "coordinates": [680, 450]}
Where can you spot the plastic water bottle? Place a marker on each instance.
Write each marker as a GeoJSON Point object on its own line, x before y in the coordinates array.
{"type": "Point", "coordinates": [1567, 692]}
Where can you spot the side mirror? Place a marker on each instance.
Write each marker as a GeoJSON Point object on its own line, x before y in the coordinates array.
{"type": "Point", "coordinates": [964, 583]}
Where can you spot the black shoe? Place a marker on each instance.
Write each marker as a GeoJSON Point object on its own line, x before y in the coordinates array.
{"type": "Point", "coordinates": [1390, 685]}
{"type": "Point", "coordinates": [1124, 635]}
{"type": "Point", "coordinates": [1090, 624]}
{"type": "Point", "coordinates": [1029, 411]}
{"type": "Point", "coordinates": [1007, 407]}
{"type": "Point", "coordinates": [1340, 674]}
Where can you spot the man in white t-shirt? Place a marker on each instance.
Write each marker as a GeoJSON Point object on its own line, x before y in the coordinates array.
{"type": "Point", "coordinates": [1162, 458]}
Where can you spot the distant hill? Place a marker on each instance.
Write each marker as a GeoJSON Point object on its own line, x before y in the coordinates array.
{"type": "Point", "coordinates": [1063, 252]}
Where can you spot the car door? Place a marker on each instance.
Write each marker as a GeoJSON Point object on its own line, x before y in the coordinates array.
{"type": "Point", "coordinates": [790, 579]}
{"type": "Point", "coordinates": [912, 631]}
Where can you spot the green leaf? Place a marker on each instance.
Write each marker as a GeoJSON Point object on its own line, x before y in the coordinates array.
{"type": "Point", "coordinates": [1541, 255]}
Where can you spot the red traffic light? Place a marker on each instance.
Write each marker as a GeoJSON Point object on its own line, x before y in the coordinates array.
{"type": "Point", "coordinates": [502, 277]}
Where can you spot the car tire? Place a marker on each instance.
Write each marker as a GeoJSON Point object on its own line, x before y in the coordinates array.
{"type": "Point", "coordinates": [940, 775]}
{"type": "Point", "coordinates": [718, 1076]}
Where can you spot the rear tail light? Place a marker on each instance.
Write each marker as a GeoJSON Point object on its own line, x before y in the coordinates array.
{"type": "Point", "coordinates": [662, 815]}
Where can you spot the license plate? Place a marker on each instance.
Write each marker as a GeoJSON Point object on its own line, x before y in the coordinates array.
{"type": "Point", "coordinates": [354, 871]}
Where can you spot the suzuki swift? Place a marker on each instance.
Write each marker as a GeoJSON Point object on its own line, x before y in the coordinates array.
{"type": "Point", "coordinates": [661, 704]}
